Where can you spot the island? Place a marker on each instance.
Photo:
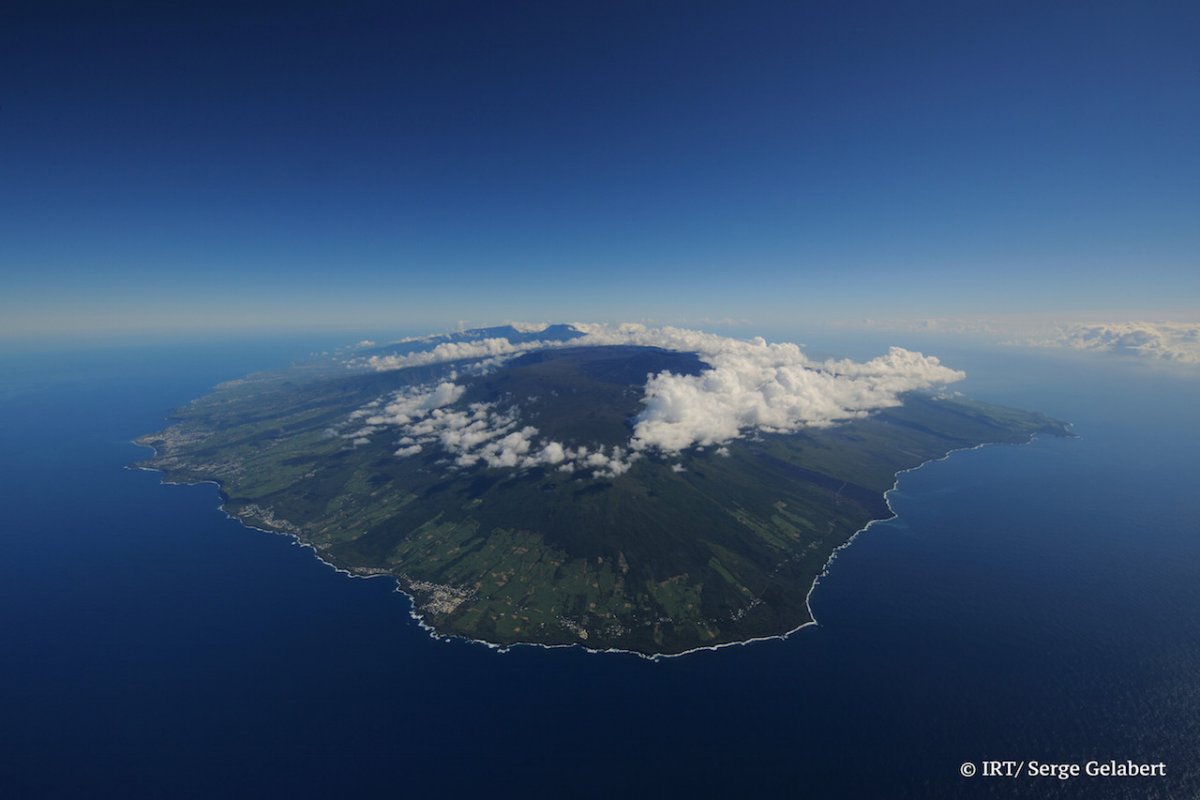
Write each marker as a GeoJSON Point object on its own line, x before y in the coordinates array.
{"type": "Point", "coordinates": [558, 486]}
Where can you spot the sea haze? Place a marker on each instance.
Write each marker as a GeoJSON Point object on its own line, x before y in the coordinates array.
{"type": "Point", "coordinates": [1030, 602]}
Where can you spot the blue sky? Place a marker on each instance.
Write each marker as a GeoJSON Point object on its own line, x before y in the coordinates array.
{"type": "Point", "coordinates": [209, 165]}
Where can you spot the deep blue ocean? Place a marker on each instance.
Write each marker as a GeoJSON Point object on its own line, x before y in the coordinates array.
{"type": "Point", "coordinates": [1033, 602]}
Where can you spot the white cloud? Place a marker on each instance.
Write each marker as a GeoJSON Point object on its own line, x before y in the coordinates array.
{"type": "Point", "coordinates": [756, 386]}
{"type": "Point", "coordinates": [1175, 341]}
{"type": "Point", "coordinates": [529, 327]}
{"type": "Point", "coordinates": [415, 403]}
{"type": "Point", "coordinates": [482, 433]}
{"type": "Point", "coordinates": [750, 386]}
{"type": "Point", "coordinates": [552, 453]}
{"type": "Point", "coordinates": [1165, 341]}
{"type": "Point", "coordinates": [485, 352]}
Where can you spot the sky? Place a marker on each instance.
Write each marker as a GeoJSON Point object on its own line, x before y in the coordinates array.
{"type": "Point", "coordinates": [213, 166]}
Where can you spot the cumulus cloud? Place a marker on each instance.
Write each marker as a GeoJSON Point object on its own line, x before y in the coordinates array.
{"type": "Point", "coordinates": [756, 386]}
{"type": "Point", "coordinates": [414, 403]}
{"type": "Point", "coordinates": [1168, 341]}
{"type": "Point", "coordinates": [446, 351]}
{"type": "Point", "coordinates": [484, 354]}
{"type": "Point", "coordinates": [553, 453]}
{"type": "Point", "coordinates": [1164, 341]}
{"type": "Point", "coordinates": [529, 327]}
{"type": "Point", "coordinates": [750, 386]}
{"type": "Point", "coordinates": [482, 433]}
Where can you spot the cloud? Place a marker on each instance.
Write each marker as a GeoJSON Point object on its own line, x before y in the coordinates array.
{"type": "Point", "coordinates": [750, 386]}
{"type": "Point", "coordinates": [529, 327]}
{"type": "Point", "coordinates": [755, 386]}
{"type": "Point", "coordinates": [414, 403]}
{"type": "Point", "coordinates": [483, 433]}
{"type": "Point", "coordinates": [1175, 341]}
{"type": "Point", "coordinates": [553, 453]}
{"type": "Point", "coordinates": [453, 351]}
{"type": "Point", "coordinates": [1163, 341]}
{"type": "Point", "coordinates": [481, 355]}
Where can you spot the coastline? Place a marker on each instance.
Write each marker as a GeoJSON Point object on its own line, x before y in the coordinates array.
{"type": "Point", "coordinates": [654, 657]}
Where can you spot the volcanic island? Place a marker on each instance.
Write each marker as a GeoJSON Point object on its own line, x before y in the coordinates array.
{"type": "Point", "coordinates": [654, 490]}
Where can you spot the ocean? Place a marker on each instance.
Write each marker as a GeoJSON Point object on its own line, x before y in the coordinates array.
{"type": "Point", "coordinates": [1036, 602]}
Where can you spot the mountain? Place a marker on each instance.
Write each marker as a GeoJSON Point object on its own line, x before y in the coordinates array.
{"type": "Point", "coordinates": [587, 540]}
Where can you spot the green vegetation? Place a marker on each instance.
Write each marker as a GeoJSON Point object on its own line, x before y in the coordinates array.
{"type": "Point", "coordinates": [655, 560]}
